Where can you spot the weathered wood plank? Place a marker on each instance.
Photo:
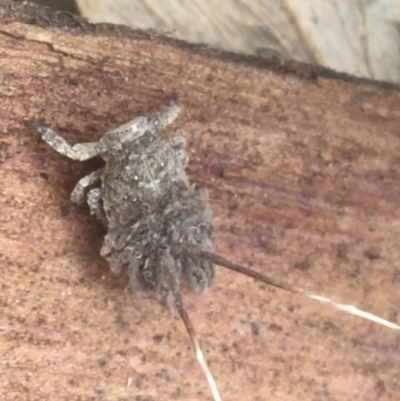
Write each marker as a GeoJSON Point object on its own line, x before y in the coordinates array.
{"type": "Point", "coordinates": [303, 169]}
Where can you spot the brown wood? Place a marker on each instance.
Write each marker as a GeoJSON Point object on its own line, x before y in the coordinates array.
{"type": "Point", "coordinates": [303, 168]}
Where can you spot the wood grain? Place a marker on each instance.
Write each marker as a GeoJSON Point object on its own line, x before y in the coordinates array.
{"type": "Point", "coordinates": [303, 170]}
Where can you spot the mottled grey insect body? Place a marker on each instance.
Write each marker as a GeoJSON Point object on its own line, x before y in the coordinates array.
{"type": "Point", "coordinates": [146, 202]}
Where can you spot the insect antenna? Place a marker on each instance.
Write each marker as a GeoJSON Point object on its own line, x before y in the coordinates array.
{"type": "Point", "coordinates": [173, 284]}
{"type": "Point", "coordinates": [195, 250]}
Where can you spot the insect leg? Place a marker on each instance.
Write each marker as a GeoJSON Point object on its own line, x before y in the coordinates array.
{"type": "Point", "coordinates": [80, 151]}
{"type": "Point", "coordinates": [166, 115]}
{"type": "Point", "coordinates": [94, 201]}
{"type": "Point", "coordinates": [177, 143]}
{"type": "Point", "coordinates": [78, 193]}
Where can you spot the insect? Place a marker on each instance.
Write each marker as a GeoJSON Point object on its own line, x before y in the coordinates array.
{"type": "Point", "coordinates": [158, 225]}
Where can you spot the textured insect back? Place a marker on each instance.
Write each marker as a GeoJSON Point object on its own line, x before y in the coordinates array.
{"type": "Point", "coordinates": [149, 203]}
{"type": "Point", "coordinates": [194, 226]}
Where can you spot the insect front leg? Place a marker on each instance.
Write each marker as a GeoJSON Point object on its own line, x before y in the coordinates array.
{"type": "Point", "coordinates": [166, 115]}
{"type": "Point", "coordinates": [78, 193]}
{"type": "Point", "coordinates": [178, 143]}
{"type": "Point", "coordinates": [94, 200]}
{"type": "Point", "coordinates": [80, 151]}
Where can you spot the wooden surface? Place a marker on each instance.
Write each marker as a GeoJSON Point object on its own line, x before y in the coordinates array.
{"type": "Point", "coordinates": [303, 169]}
